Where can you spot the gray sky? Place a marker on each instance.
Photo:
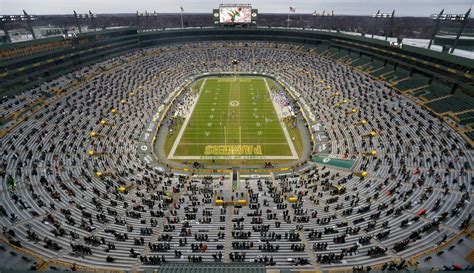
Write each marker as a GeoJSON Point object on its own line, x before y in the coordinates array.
{"type": "Point", "coordinates": [348, 7]}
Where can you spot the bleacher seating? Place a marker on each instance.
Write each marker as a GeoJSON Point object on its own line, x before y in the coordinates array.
{"type": "Point", "coordinates": [112, 211]}
{"type": "Point", "coordinates": [455, 103]}
{"type": "Point", "coordinates": [466, 118]}
{"type": "Point", "coordinates": [434, 91]}
{"type": "Point", "coordinates": [413, 82]}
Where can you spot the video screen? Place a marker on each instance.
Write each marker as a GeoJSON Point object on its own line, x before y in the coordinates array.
{"type": "Point", "coordinates": [235, 15]}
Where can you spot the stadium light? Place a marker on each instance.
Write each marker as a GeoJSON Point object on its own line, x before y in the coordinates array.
{"type": "Point", "coordinates": [146, 15]}
{"type": "Point", "coordinates": [330, 15]}
{"type": "Point", "coordinates": [3, 20]}
{"type": "Point", "coordinates": [28, 18]}
{"type": "Point", "coordinates": [25, 17]}
{"type": "Point", "coordinates": [91, 16]}
{"type": "Point", "coordinates": [155, 15]}
{"type": "Point", "coordinates": [449, 17]}
{"type": "Point", "coordinates": [139, 14]}
{"type": "Point", "coordinates": [383, 15]}
{"type": "Point", "coordinates": [290, 10]}
{"type": "Point", "coordinates": [459, 18]}
{"type": "Point", "coordinates": [14, 18]}
{"type": "Point", "coordinates": [322, 15]}
{"type": "Point", "coordinates": [461, 29]}
{"type": "Point", "coordinates": [182, 22]}
{"type": "Point", "coordinates": [436, 17]}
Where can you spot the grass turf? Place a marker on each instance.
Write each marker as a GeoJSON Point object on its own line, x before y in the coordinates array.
{"type": "Point", "coordinates": [235, 112]}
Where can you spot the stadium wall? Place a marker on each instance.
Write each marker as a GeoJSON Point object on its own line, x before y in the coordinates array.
{"type": "Point", "coordinates": [465, 42]}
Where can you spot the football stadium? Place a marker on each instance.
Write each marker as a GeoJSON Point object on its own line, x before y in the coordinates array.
{"type": "Point", "coordinates": [236, 140]}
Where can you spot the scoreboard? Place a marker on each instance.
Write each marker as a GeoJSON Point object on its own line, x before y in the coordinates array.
{"type": "Point", "coordinates": [235, 14]}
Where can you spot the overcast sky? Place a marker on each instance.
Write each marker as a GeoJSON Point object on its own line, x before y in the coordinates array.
{"type": "Point", "coordinates": [347, 7]}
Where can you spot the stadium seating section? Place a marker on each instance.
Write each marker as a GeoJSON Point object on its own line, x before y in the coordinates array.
{"type": "Point", "coordinates": [111, 211]}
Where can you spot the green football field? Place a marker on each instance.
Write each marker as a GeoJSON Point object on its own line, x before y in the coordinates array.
{"type": "Point", "coordinates": [233, 118]}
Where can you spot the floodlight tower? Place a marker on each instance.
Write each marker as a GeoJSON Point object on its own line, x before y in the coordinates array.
{"type": "Point", "coordinates": [89, 15]}
{"type": "Point", "coordinates": [76, 19]}
{"type": "Point", "coordinates": [322, 18]}
{"type": "Point", "coordinates": [142, 14]}
{"type": "Point", "coordinates": [374, 16]}
{"type": "Point", "coordinates": [92, 18]}
{"type": "Point", "coordinates": [390, 26]}
{"type": "Point", "coordinates": [462, 18]}
{"type": "Point", "coordinates": [28, 19]}
{"type": "Point", "coordinates": [138, 20]}
{"type": "Point", "coordinates": [155, 15]}
{"type": "Point", "coordinates": [151, 15]}
{"type": "Point", "coordinates": [331, 16]}
{"type": "Point", "coordinates": [389, 16]}
{"type": "Point", "coordinates": [436, 17]}
{"type": "Point", "coordinates": [4, 19]}
{"type": "Point", "coordinates": [316, 14]}
{"type": "Point", "coordinates": [461, 29]}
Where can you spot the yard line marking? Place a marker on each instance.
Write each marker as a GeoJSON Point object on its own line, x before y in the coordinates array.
{"type": "Point", "coordinates": [240, 121]}
{"type": "Point", "coordinates": [185, 124]}
{"type": "Point", "coordinates": [228, 109]}
{"type": "Point", "coordinates": [265, 137]}
{"type": "Point", "coordinates": [240, 135]}
{"type": "Point", "coordinates": [225, 136]}
{"type": "Point", "coordinates": [283, 126]}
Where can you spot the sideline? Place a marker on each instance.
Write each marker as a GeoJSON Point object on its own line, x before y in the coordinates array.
{"type": "Point", "coordinates": [185, 124]}
{"type": "Point", "coordinates": [283, 126]}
